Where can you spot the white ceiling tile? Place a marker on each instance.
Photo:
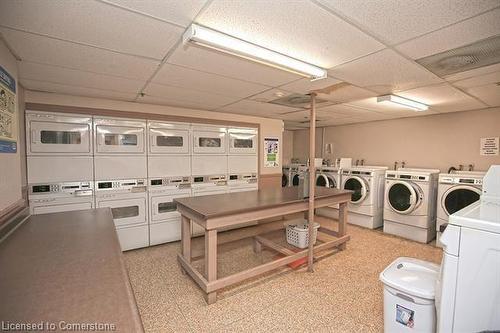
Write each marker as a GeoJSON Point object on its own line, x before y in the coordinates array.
{"type": "Point", "coordinates": [489, 94]}
{"type": "Point", "coordinates": [460, 34]}
{"type": "Point", "coordinates": [219, 63]}
{"type": "Point", "coordinates": [77, 91]}
{"type": "Point", "coordinates": [55, 52]}
{"type": "Point", "coordinates": [187, 97]}
{"type": "Point", "coordinates": [305, 86]}
{"type": "Point", "coordinates": [473, 73]}
{"type": "Point", "coordinates": [395, 21]}
{"type": "Point", "coordinates": [188, 78]}
{"type": "Point", "coordinates": [270, 95]}
{"type": "Point", "coordinates": [384, 72]}
{"type": "Point", "coordinates": [296, 28]}
{"type": "Point", "coordinates": [297, 116]}
{"type": "Point", "coordinates": [346, 94]}
{"type": "Point", "coordinates": [60, 75]}
{"type": "Point", "coordinates": [178, 12]}
{"type": "Point", "coordinates": [443, 98]}
{"type": "Point", "coordinates": [256, 108]}
{"type": "Point", "coordinates": [93, 23]}
{"type": "Point", "coordinates": [347, 110]}
{"type": "Point", "coordinates": [478, 80]}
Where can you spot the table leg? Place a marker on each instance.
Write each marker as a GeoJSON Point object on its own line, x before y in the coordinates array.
{"type": "Point", "coordinates": [257, 246]}
{"type": "Point", "coordinates": [342, 222]}
{"type": "Point", "coordinates": [186, 238]}
{"type": "Point", "coordinates": [211, 261]}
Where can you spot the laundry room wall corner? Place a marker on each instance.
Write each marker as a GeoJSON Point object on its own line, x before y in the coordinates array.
{"type": "Point", "coordinates": [10, 163]}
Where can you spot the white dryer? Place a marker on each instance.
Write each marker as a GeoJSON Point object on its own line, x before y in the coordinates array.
{"type": "Point", "coordinates": [60, 197]}
{"type": "Point", "coordinates": [367, 200]}
{"type": "Point", "coordinates": [164, 220]}
{"type": "Point", "coordinates": [58, 147]}
{"type": "Point", "coordinates": [169, 149]}
{"type": "Point", "coordinates": [455, 192]}
{"type": "Point", "coordinates": [128, 202]}
{"type": "Point", "coordinates": [242, 182]}
{"type": "Point", "coordinates": [410, 203]}
{"type": "Point", "coordinates": [119, 148]}
{"type": "Point", "coordinates": [468, 287]}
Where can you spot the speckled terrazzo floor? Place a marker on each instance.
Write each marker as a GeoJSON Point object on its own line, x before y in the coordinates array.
{"type": "Point", "coordinates": [343, 294]}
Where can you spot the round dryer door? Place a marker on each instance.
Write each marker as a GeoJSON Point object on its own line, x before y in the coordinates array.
{"type": "Point", "coordinates": [459, 197]}
{"type": "Point", "coordinates": [284, 181]}
{"type": "Point", "coordinates": [358, 185]}
{"type": "Point", "coordinates": [325, 181]}
{"type": "Point", "coordinates": [402, 197]}
{"type": "Point", "coordinates": [295, 180]}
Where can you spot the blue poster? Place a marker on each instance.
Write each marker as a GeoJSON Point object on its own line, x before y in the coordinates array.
{"type": "Point", "coordinates": [8, 113]}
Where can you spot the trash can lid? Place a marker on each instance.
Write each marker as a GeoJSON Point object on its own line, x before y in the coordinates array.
{"type": "Point", "coordinates": [412, 276]}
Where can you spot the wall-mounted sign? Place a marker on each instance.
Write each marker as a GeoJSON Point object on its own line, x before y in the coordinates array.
{"type": "Point", "coordinates": [8, 113]}
{"type": "Point", "coordinates": [489, 146]}
{"type": "Point", "coordinates": [271, 152]}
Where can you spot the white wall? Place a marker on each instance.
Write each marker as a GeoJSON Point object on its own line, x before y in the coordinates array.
{"type": "Point", "coordinates": [437, 141]}
{"type": "Point", "coordinates": [268, 127]}
{"type": "Point", "coordinates": [10, 164]}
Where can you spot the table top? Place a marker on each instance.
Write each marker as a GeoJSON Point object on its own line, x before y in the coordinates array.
{"type": "Point", "coordinates": [211, 206]}
{"type": "Point", "coordinates": [67, 267]}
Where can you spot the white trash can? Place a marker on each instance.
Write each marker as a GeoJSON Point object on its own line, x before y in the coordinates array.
{"type": "Point", "coordinates": [409, 290]}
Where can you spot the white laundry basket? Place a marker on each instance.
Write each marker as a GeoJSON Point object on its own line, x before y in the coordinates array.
{"type": "Point", "coordinates": [297, 233]}
{"type": "Point", "coordinates": [409, 291]}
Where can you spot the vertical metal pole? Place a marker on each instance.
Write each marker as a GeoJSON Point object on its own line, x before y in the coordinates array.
{"type": "Point", "coordinates": [312, 179]}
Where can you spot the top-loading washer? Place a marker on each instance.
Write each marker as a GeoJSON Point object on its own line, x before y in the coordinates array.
{"type": "Point", "coordinates": [367, 200]}
{"type": "Point", "coordinates": [119, 148]}
{"type": "Point", "coordinates": [410, 203]}
{"type": "Point", "coordinates": [456, 191]}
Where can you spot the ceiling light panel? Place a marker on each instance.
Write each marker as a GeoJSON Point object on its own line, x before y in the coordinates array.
{"type": "Point", "coordinates": [214, 39]}
{"type": "Point", "coordinates": [396, 21]}
{"type": "Point", "coordinates": [298, 28]}
{"type": "Point", "coordinates": [94, 23]}
{"type": "Point", "coordinates": [408, 103]}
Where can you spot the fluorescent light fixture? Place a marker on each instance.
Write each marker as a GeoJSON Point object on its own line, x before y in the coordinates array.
{"type": "Point", "coordinates": [403, 101]}
{"type": "Point", "coordinates": [216, 40]}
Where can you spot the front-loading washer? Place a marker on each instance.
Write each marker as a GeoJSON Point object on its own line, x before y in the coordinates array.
{"type": "Point", "coordinates": [367, 200]}
{"type": "Point", "coordinates": [328, 177]}
{"type": "Point", "coordinates": [410, 203]}
{"type": "Point", "coordinates": [286, 176]}
{"type": "Point", "coordinates": [128, 202]}
{"type": "Point", "coordinates": [297, 171]}
{"type": "Point", "coordinates": [456, 191]}
{"type": "Point", "coordinates": [164, 220]}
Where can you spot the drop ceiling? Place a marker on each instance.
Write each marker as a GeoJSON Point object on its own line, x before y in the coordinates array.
{"type": "Point", "coordinates": [131, 50]}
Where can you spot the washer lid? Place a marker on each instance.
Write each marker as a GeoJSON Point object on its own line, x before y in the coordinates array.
{"type": "Point", "coordinates": [480, 215]}
{"type": "Point", "coordinates": [412, 276]}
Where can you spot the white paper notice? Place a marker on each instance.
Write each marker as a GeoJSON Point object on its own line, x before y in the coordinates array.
{"type": "Point", "coordinates": [489, 146]}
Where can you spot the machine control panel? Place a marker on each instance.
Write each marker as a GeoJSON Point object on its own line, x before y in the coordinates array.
{"type": "Point", "coordinates": [216, 179]}
{"type": "Point", "coordinates": [121, 184]}
{"type": "Point", "coordinates": [461, 180]}
{"type": "Point", "coordinates": [182, 181]}
{"type": "Point", "coordinates": [70, 188]}
{"type": "Point", "coordinates": [406, 176]}
{"type": "Point", "coordinates": [248, 177]}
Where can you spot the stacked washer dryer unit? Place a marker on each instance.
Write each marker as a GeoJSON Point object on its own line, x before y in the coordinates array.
{"type": "Point", "coordinates": [456, 191]}
{"type": "Point", "coordinates": [209, 163]}
{"type": "Point", "coordinates": [367, 200]}
{"type": "Point", "coordinates": [59, 162]}
{"type": "Point", "coordinates": [120, 177]}
{"type": "Point", "coordinates": [242, 160]}
{"type": "Point", "coordinates": [169, 177]}
{"type": "Point", "coordinates": [410, 203]}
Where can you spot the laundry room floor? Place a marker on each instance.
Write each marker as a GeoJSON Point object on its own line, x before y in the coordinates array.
{"type": "Point", "coordinates": [343, 295]}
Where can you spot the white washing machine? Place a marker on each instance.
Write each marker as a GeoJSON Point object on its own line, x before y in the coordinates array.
{"type": "Point", "coordinates": [128, 202]}
{"type": "Point", "coordinates": [468, 287]}
{"type": "Point", "coordinates": [286, 176]}
{"type": "Point", "coordinates": [58, 147]}
{"type": "Point", "coordinates": [410, 203]}
{"type": "Point", "coordinates": [367, 201]}
{"type": "Point", "coordinates": [164, 220]}
{"type": "Point", "coordinates": [328, 177]}
{"type": "Point", "coordinates": [456, 191]}
{"type": "Point", "coordinates": [297, 171]}
{"type": "Point", "coordinates": [60, 197]}
{"type": "Point", "coordinates": [207, 185]}
{"type": "Point", "coordinates": [119, 148]}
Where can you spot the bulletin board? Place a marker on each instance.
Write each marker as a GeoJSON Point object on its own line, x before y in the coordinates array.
{"type": "Point", "coordinates": [271, 152]}
{"type": "Point", "coordinates": [8, 113]}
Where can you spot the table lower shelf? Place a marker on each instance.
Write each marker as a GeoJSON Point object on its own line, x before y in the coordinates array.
{"type": "Point", "coordinates": [327, 239]}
